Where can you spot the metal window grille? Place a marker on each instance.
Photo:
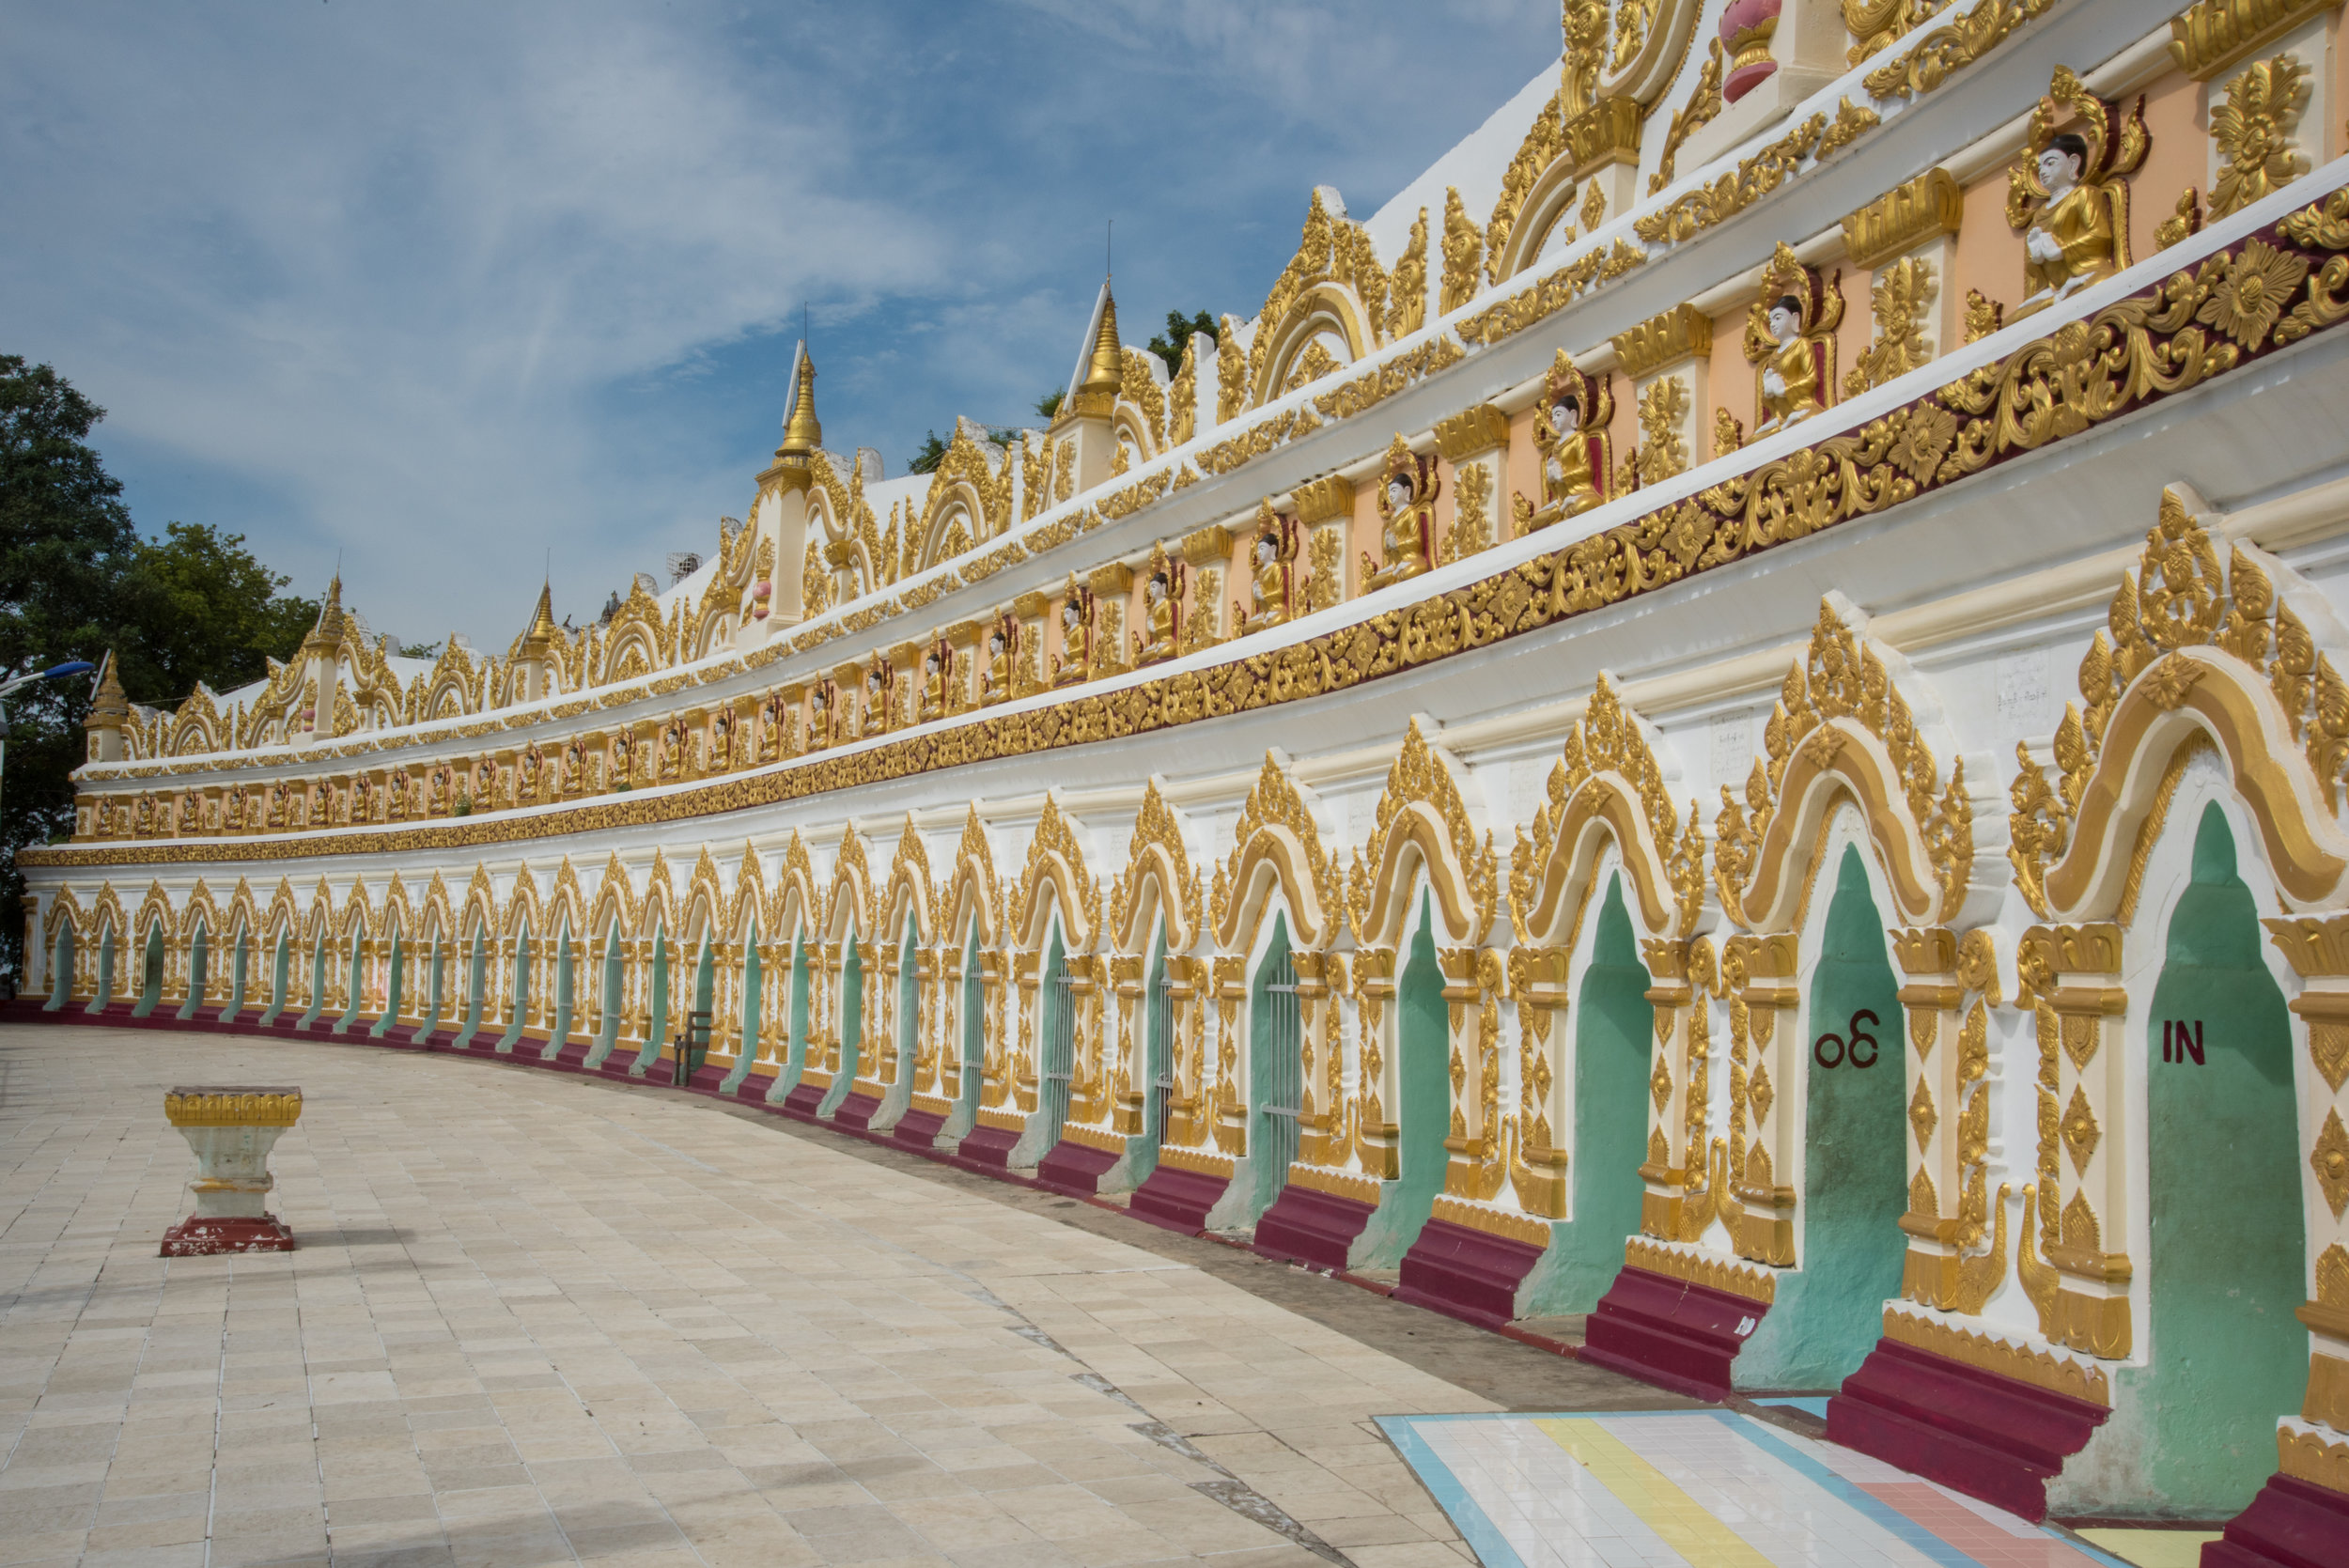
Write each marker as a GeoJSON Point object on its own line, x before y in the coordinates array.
{"type": "Point", "coordinates": [1060, 1045]}
{"type": "Point", "coordinates": [1160, 1039]}
{"type": "Point", "coordinates": [1283, 1073]}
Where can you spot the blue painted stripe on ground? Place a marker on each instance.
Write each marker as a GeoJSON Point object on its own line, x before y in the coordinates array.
{"type": "Point", "coordinates": [1468, 1517]}
{"type": "Point", "coordinates": [1884, 1513]}
{"type": "Point", "coordinates": [1814, 1403]}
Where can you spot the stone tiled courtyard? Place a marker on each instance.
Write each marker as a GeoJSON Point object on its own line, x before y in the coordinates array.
{"type": "Point", "coordinates": [535, 1319]}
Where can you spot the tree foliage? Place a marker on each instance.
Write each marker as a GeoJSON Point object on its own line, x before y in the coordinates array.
{"type": "Point", "coordinates": [933, 452]}
{"type": "Point", "coordinates": [1050, 403]}
{"type": "Point", "coordinates": [77, 582]}
{"type": "Point", "coordinates": [1169, 345]}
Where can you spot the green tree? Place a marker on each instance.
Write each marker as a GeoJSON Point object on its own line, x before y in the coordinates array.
{"type": "Point", "coordinates": [933, 452]}
{"type": "Point", "coordinates": [1179, 334]}
{"type": "Point", "coordinates": [1050, 403]}
{"type": "Point", "coordinates": [198, 606]}
{"type": "Point", "coordinates": [77, 582]}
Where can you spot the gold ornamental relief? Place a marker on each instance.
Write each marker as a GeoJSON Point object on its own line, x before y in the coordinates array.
{"type": "Point", "coordinates": [1272, 819]}
{"type": "Point", "coordinates": [1156, 850]}
{"type": "Point", "coordinates": [1465, 876]}
{"type": "Point", "coordinates": [1608, 771]}
{"type": "Point", "coordinates": [2208, 37]}
{"type": "Point", "coordinates": [2254, 130]}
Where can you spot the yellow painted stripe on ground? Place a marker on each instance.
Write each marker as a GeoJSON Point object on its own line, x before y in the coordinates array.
{"type": "Point", "coordinates": [1684, 1524]}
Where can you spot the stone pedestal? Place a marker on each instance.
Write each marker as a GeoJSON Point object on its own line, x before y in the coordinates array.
{"type": "Point", "coordinates": [232, 1129]}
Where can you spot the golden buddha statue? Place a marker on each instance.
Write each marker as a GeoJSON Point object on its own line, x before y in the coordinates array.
{"type": "Point", "coordinates": [2069, 241]}
{"type": "Point", "coordinates": [936, 660]}
{"type": "Point", "coordinates": [1407, 518]}
{"type": "Point", "coordinates": [1790, 341]}
{"type": "Point", "coordinates": [1570, 433]}
{"type": "Point", "coordinates": [1270, 558]}
{"type": "Point", "coordinates": [995, 681]}
{"type": "Point", "coordinates": [819, 716]}
{"type": "Point", "coordinates": [876, 697]}
{"type": "Point", "coordinates": [2068, 196]}
{"type": "Point", "coordinates": [1073, 664]}
{"type": "Point", "coordinates": [1161, 594]}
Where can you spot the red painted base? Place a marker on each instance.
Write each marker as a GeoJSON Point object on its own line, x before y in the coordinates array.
{"type": "Point", "coordinates": [800, 1103]}
{"type": "Point", "coordinates": [204, 1238]}
{"type": "Point", "coordinates": [1682, 1337]}
{"type": "Point", "coordinates": [1311, 1226]}
{"type": "Point", "coordinates": [1989, 1436]}
{"type": "Point", "coordinates": [1177, 1200]}
{"type": "Point", "coordinates": [705, 1079]}
{"type": "Point", "coordinates": [571, 1056]}
{"type": "Point", "coordinates": [1074, 1168]}
{"type": "Point", "coordinates": [1466, 1273]}
{"type": "Point", "coordinates": [917, 1130]}
{"type": "Point", "coordinates": [753, 1087]}
{"type": "Point", "coordinates": [855, 1114]}
{"type": "Point", "coordinates": [2291, 1524]}
{"type": "Point", "coordinates": [987, 1150]}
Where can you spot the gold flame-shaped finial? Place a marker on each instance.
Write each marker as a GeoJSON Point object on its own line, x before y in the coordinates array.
{"type": "Point", "coordinates": [801, 434]}
{"type": "Point", "coordinates": [1107, 370]}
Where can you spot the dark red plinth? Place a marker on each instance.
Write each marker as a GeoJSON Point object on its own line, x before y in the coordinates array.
{"type": "Point", "coordinates": [754, 1086]}
{"type": "Point", "coordinates": [1684, 1337]}
{"type": "Point", "coordinates": [1989, 1436]}
{"type": "Point", "coordinates": [1466, 1273]}
{"type": "Point", "coordinates": [705, 1079]}
{"type": "Point", "coordinates": [917, 1129]}
{"type": "Point", "coordinates": [855, 1112]}
{"type": "Point", "coordinates": [987, 1150]}
{"type": "Point", "coordinates": [572, 1055]}
{"type": "Point", "coordinates": [1312, 1226]}
{"type": "Point", "coordinates": [204, 1238]}
{"type": "Point", "coordinates": [800, 1103]}
{"type": "Point", "coordinates": [2291, 1524]}
{"type": "Point", "coordinates": [1177, 1200]}
{"type": "Point", "coordinates": [1074, 1168]}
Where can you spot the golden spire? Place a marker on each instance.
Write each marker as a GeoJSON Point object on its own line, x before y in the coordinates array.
{"type": "Point", "coordinates": [801, 434]}
{"type": "Point", "coordinates": [328, 634]}
{"type": "Point", "coordinates": [111, 704]}
{"type": "Point", "coordinates": [1107, 370]}
{"type": "Point", "coordinates": [542, 628]}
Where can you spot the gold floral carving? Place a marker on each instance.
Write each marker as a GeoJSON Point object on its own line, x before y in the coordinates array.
{"type": "Point", "coordinates": [2178, 599]}
{"type": "Point", "coordinates": [1608, 747]}
{"type": "Point", "coordinates": [1843, 681]}
{"type": "Point", "coordinates": [1157, 845]}
{"type": "Point", "coordinates": [1231, 366]}
{"type": "Point", "coordinates": [1703, 105]}
{"type": "Point", "coordinates": [1464, 255]}
{"type": "Point", "coordinates": [2208, 37]}
{"type": "Point", "coordinates": [1383, 380]}
{"type": "Point", "coordinates": [1333, 251]}
{"type": "Point", "coordinates": [1407, 303]}
{"type": "Point", "coordinates": [1697, 1268]}
{"type": "Point", "coordinates": [2076, 377]}
{"type": "Point", "coordinates": [1876, 25]}
{"type": "Point", "coordinates": [2082, 1380]}
{"type": "Point", "coordinates": [1951, 48]}
{"type": "Point", "coordinates": [1273, 820]}
{"type": "Point", "coordinates": [1663, 409]}
{"type": "Point", "coordinates": [2253, 129]}
{"type": "Point", "coordinates": [1466, 879]}
{"type": "Point", "coordinates": [1753, 179]}
{"type": "Point", "coordinates": [1682, 333]}
{"type": "Point", "coordinates": [1900, 297]}
{"type": "Point", "coordinates": [2329, 1159]}
{"type": "Point", "coordinates": [1903, 218]}
{"type": "Point", "coordinates": [1544, 140]}
{"type": "Point", "coordinates": [1472, 527]}
{"type": "Point", "coordinates": [2182, 225]}
{"type": "Point", "coordinates": [2307, 1456]}
{"type": "Point", "coordinates": [1056, 858]}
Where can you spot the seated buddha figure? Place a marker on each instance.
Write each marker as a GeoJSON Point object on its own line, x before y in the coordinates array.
{"type": "Point", "coordinates": [2069, 241]}
{"type": "Point", "coordinates": [1074, 662]}
{"type": "Point", "coordinates": [1269, 559]}
{"type": "Point", "coordinates": [1790, 373]}
{"type": "Point", "coordinates": [934, 660]}
{"type": "Point", "coordinates": [1407, 519]}
{"type": "Point", "coordinates": [995, 680]}
{"type": "Point", "coordinates": [876, 698]}
{"type": "Point", "coordinates": [1160, 637]}
{"type": "Point", "coordinates": [819, 716]}
{"type": "Point", "coordinates": [1570, 432]}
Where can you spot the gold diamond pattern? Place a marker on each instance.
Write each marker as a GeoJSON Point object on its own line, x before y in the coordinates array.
{"type": "Point", "coordinates": [2082, 1033]}
{"type": "Point", "coordinates": [2080, 1132]}
{"type": "Point", "coordinates": [2330, 1159]}
{"type": "Point", "coordinates": [2328, 1047]}
{"type": "Point", "coordinates": [1760, 1096]}
{"type": "Point", "coordinates": [1921, 1116]}
{"type": "Point", "coordinates": [1659, 1083]}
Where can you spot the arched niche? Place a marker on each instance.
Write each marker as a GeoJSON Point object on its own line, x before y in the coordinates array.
{"type": "Point", "coordinates": [1421, 827]}
{"type": "Point", "coordinates": [1159, 884]}
{"type": "Point", "coordinates": [1276, 847]}
{"type": "Point", "coordinates": [1055, 877]}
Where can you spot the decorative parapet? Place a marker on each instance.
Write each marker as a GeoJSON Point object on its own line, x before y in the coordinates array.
{"type": "Point", "coordinates": [2206, 38]}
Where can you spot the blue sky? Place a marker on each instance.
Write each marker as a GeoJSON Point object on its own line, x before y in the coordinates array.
{"type": "Point", "coordinates": [437, 287]}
